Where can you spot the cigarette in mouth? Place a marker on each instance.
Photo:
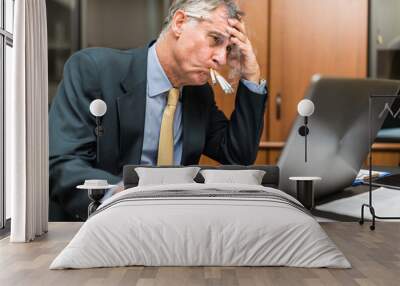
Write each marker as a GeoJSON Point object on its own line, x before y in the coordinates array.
{"type": "Point", "coordinates": [213, 78]}
{"type": "Point", "coordinates": [216, 77]}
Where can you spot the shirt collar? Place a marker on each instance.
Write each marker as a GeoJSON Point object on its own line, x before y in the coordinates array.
{"type": "Point", "coordinates": [157, 80]}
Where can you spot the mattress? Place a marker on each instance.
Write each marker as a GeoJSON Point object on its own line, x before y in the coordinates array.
{"type": "Point", "coordinates": [201, 225]}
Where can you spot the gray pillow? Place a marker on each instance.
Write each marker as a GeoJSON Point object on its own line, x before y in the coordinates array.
{"type": "Point", "coordinates": [165, 176]}
{"type": "Point", "coordinates": [248, 177]}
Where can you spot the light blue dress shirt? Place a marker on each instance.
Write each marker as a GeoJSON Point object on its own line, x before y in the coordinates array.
{"type": "Point", "coordinates": [158, 86]}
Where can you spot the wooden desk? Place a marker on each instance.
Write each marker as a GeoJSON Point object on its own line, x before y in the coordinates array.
{"type": "Point", "coordinates": [375, 256]}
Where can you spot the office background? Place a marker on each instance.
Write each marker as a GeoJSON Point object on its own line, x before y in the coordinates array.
{"type": "Point", "coordinates": [294, 39]}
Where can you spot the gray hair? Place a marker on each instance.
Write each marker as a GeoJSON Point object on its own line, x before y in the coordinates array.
{"type": "Point", "coordinates": [201, 8]}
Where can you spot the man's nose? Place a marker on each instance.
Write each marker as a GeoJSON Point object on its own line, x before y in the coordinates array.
{"type": "Point", "coordinates": [219, 57]}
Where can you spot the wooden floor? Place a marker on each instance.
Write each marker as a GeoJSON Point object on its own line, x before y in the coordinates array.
{"type": "Point", "coordinates": [375, 256]}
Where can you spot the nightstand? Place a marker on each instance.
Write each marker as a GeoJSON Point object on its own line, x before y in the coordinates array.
{"type": "Point", "coordinates": [305, 190]}
{"type": "Point", "coordinates": [96, 191]}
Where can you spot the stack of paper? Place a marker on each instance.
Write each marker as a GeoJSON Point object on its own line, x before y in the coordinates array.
{"type": "Point", "coordinates": [363, 176]}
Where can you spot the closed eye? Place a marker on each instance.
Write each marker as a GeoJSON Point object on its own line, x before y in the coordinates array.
{"type": "Point", "coordinates": [216, 41]}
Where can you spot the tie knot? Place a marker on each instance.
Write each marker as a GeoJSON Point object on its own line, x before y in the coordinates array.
{"type": "Point", "coordinates": [173, 96]}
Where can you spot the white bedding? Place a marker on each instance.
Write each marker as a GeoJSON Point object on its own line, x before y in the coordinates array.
{"type": "Point", "coordinates": [264, 229]}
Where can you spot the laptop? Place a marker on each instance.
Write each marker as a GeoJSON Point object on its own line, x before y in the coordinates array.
{"type": "Point", "coordinates": [338, 142]}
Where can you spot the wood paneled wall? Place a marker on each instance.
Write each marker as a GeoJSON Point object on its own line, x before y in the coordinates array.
{"type": "Point", "coordinates": [308, 37]}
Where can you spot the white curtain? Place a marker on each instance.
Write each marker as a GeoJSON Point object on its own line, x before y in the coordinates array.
{"type": "Point", "coordinates": [27, 124]}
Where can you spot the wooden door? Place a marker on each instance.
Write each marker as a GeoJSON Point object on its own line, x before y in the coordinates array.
{"type": "Point", "coordinates": [307, 37]}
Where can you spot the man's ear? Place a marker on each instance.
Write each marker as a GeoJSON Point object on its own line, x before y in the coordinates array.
{"type": "Point", "coordinates": [178, 21]}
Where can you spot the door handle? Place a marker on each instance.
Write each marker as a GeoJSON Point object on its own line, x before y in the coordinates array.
{"type": "Point", "coordinates": [278, 104]}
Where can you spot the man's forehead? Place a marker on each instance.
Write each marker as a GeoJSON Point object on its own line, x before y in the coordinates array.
{"type": "Point", "coordinates": [218, 21]}
{"type": "Point", "coordinates": [220, 16]}
{"type": "Point", "coordinates": [220, 13]}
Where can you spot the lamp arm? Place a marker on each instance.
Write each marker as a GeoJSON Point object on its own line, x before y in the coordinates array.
{"type": "Point", "coordinates": [99, 132]}
{"type": "Point", "coordinates": [305, 138]}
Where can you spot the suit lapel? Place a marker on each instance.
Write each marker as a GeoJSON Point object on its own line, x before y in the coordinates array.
{"type": "Point", "coordinates": [132, 109]}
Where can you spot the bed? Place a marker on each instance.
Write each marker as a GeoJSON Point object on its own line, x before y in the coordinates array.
{"type": "Point", "coordinates": [201, 223]}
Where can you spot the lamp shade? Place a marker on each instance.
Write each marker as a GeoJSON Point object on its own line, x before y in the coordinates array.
{"type": "Point", "coordinates": [305, 107]}
{"type": "Point", "coordinates": [98, 107]}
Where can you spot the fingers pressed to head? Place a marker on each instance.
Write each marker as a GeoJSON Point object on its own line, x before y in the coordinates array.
{"type": "Point", "coordinates": [237, 34]}
{"type": "Point", "coordinates": [237, 24]}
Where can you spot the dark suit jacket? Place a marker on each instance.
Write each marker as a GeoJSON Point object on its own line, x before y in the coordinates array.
{"type": "Point", "coordinates": [119, 78]}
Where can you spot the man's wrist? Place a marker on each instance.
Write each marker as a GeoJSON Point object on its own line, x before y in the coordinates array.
{"type": "Point", "coordinates": [254, 77]}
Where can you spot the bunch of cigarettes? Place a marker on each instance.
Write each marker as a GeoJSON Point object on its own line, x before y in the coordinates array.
{"type": "Point", "coordinates": [216, 77]}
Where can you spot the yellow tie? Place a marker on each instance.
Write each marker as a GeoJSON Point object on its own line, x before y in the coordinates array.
{"type": "Point", "coordinates": [166, 143]}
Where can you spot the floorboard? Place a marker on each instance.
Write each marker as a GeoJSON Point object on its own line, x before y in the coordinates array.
{"type": "Point", "coordinates": [374, 255]}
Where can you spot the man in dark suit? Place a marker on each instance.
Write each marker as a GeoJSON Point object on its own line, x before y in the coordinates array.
{"type": "Point", "coordinates": [198, 35]}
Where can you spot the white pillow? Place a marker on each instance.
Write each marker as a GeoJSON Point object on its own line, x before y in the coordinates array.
{"type": "Point", "coordinates": [248, 177]}
{"type": "Point", "coordinates": [165, 176]}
